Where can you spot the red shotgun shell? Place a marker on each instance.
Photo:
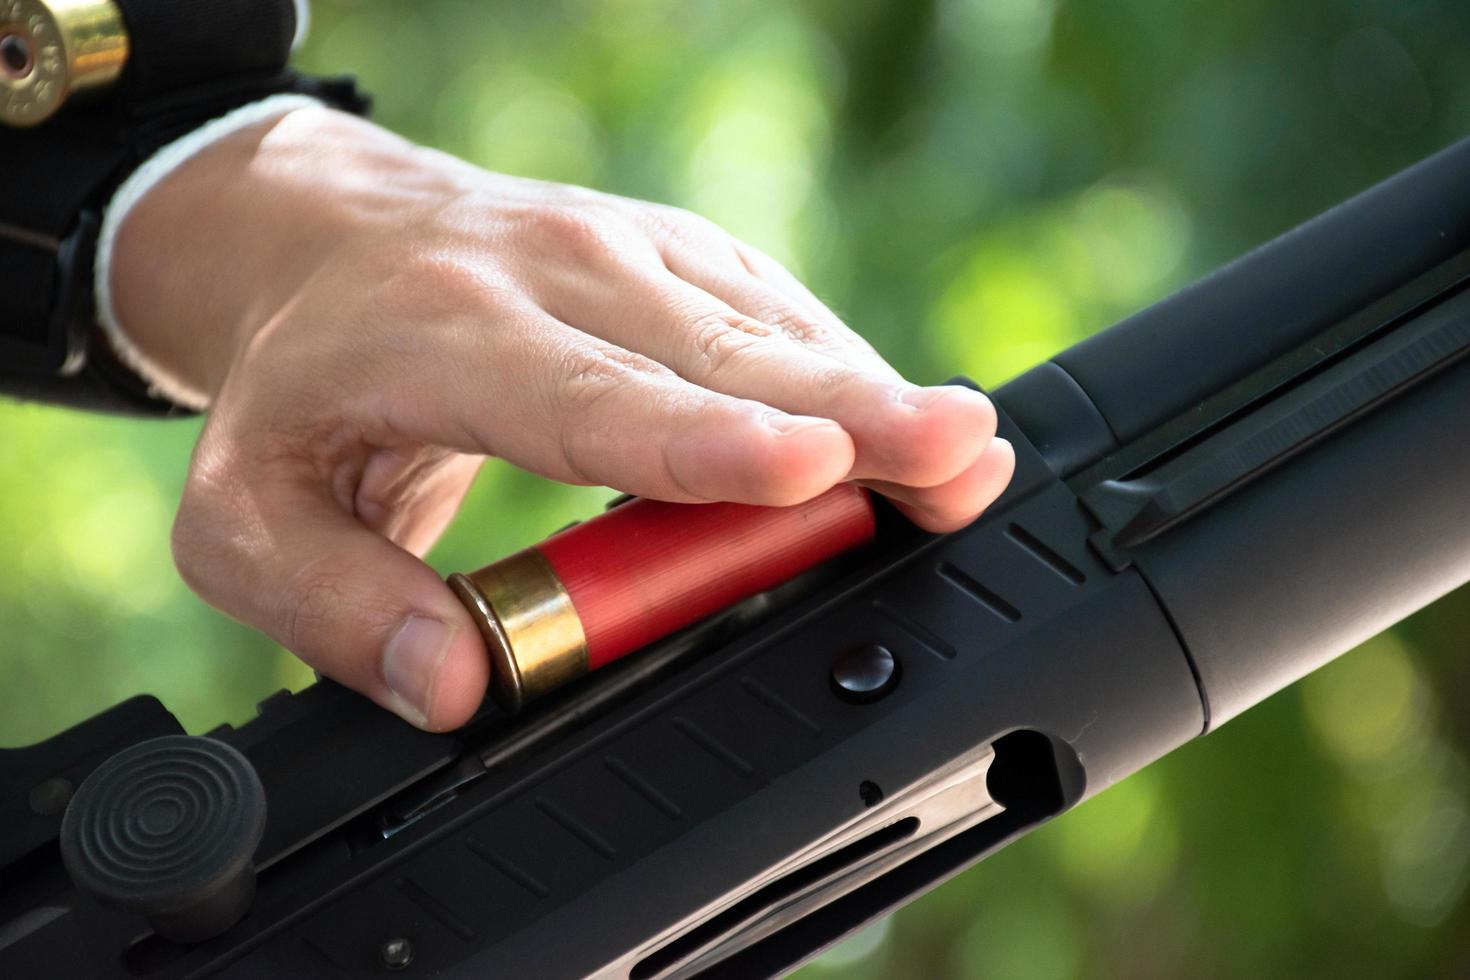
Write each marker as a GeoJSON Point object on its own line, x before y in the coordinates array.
{"type": "Point", "coordinates": [601, 589]}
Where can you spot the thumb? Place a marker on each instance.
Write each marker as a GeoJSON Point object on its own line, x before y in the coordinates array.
{"type": "Point", "coordinates": [346, 600]}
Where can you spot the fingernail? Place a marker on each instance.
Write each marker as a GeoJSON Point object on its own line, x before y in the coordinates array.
{"type": "Point", "coordinates": [410, 662]}
{"type": "Point", "coordinates": [924, 397]}
{"type": "Point", "coordinates": [787, 424]}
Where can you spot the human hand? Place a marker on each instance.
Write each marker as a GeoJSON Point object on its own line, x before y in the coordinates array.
{"type": "Point", "coordinates": [369, 319]}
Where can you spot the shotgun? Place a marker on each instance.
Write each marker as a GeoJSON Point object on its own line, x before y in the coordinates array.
{"type": "Point", "coordinates": [1211, 499]}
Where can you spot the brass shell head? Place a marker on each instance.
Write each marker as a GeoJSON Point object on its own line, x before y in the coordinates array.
{"type": "Point", "coordinates": [533, 633]}
{"type": "Point", "coordinates": [53, 50]}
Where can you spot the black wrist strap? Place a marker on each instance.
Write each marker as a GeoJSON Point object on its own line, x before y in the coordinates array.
{"type": "Point", "coordinates": [189, 62]}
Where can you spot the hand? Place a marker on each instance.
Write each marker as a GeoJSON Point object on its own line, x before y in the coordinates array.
{"type": "Point", "coordinates": [370, 319]}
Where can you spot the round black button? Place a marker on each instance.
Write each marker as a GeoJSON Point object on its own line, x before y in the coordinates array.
{"type": "Point", "coordinates": [168, 829]}
{"type": "Point", "coordinates": [865, 673]}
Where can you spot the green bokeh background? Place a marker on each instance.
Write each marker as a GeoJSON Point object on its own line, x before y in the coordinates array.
{"type": "Point", "coordinates": [974, 184]}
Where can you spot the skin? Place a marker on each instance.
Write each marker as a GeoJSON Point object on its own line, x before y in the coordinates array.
{"type": "Point", "coordinates": [368, 320]}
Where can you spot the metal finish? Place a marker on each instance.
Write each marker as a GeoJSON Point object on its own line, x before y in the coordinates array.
{"type": "Point", "coordinates": [949, 802]}
{"type": "Point", "coordinates": [397, 954]}
{"type": "Point", "coordinates": [54, 50]}
{"type": "Point", "coordinates": [865, 673]}
{"type": "Point", "coordinates": [530, 627]}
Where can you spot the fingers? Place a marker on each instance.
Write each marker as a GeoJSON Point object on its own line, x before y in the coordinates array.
{"type": "Point", "coordinates": [902, 434]}
{"type": "Point", "coordinates": [812, 327]}
{"type": "Point", "coordinates": [951, 506]}
{"type": "Point", "coordinates": [581, 410]}
{"type": "Point", "coordinates": [280, 554]}
{"type": "Point", "coordinates": [755, 284]}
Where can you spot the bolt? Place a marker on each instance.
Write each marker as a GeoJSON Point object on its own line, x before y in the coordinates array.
{"type": "Point", "coordinates": [397, 953]}
{"type": "Point", "coordinates": [865, 673]}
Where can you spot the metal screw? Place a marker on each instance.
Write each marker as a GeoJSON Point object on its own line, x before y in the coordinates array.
{"type": "Point", "coordinates": [397, 953]}
{"type": "Point", "coordinates": [865, 673]}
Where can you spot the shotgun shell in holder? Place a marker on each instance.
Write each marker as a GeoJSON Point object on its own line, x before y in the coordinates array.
{"type": "Point", "coordinates": [52, 50]}
{"type": "Point", "coordinates": [644, 569]}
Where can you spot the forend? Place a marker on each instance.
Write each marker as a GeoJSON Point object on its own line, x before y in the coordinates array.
{"type": "Point", "coordinates": [1211, 499]}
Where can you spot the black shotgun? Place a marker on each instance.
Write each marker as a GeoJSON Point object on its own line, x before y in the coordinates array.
{"type": "Point", "coordinates": [1212, 499]}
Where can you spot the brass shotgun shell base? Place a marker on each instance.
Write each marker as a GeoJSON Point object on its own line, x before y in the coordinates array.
{"type": "Point", "coordinates": [51, 50]}
{"type": "Point", "coordinates": [533, 633]}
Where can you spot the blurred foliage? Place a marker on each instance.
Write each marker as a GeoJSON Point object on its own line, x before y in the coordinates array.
{"type": "Point", "coordinates": [974, 184]}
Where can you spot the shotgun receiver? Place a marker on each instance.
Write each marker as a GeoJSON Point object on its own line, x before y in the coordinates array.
{"type": "Point", "coordinates": [1211, 499]}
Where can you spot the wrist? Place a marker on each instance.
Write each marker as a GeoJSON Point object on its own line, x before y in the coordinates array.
{"type": "Point", "coordinates": [222, 244]}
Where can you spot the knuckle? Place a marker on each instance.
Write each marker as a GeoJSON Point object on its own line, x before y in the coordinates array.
{"type": "Point", "coordinates": [186, 543]}
{"type": "Point", "coordinates": [672, 215]}
{"type": "Point", "coordinates": [311, 602]}
{"type": "Point", "coordinates": [204, 525]}
{"type": "Point", "coordinates": [828, 382]}
{"type": "Point", "coordinates": [801, 328]}
{"type": "Point", "coordinates": [673, 221]}
{"type": "Point", "coordinates": [591, 376]}
{"type": "Point", "coordinates": [704, 228]}
{"type": "Point", "coordinates": [723, 337]}
{"type": "Point", "coordinates": [580, 230]}
{"type": "Point", "coordinates": [435, 282]}
{"type": "Point", "coordinates": [687, 229]}
{"type": "Point", "coordinates": [584, 423]}
{"type": "Point", "coordinates": [589, 381]}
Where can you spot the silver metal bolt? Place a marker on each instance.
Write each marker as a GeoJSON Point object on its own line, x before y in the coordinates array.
{"type": "Point", "coordinates": [397, 953]}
